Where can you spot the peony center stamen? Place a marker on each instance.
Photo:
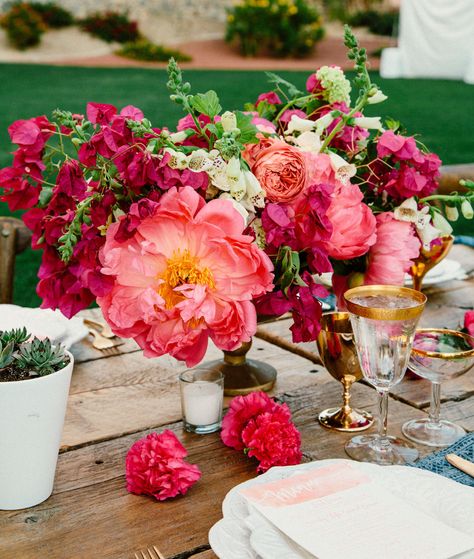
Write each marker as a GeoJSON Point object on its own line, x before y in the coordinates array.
{"type": "Point", "coordinates": [183, 268]}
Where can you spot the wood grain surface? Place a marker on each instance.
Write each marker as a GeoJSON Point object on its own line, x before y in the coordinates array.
{"type": "Point", "coordinates": [116, 398]}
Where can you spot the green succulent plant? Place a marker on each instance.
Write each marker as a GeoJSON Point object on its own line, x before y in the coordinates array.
{"type": "Point", "coordinates": [40, 356]}
{"type": "Point", "coordinates": [16, 335]}
{"type": "Point", "coordinates": [6, 353]}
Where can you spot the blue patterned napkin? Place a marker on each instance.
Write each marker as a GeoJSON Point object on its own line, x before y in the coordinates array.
{"type": "Point", "coordinates": [438, 464]}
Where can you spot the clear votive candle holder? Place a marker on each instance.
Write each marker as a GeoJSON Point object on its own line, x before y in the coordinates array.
{"type": "Point", "coordinates": [202, 394]}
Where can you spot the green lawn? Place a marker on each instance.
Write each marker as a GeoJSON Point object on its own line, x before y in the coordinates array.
{"type": "Point", "coordinates": [441, 111]}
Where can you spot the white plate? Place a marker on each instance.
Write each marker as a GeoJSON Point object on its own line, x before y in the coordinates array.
{"type": "Point", "coordinates": [241, 536]}
{"type": "Point", "coordinates": [43, 323]}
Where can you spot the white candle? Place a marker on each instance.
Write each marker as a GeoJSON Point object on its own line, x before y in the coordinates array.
{"type": "Point", "coordinates": [202, 402]}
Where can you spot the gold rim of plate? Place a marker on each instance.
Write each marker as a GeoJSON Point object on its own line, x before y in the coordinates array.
{"type": "Point", "coordinates": [379, 313]}
{"type": "Point", "coordinates": [441, 355]}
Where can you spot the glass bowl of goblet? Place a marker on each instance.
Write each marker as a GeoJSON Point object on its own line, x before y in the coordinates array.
{"type": "Point", "coordinates": [384, 319]}
{"type": "Point", "coordinates": [438, 355]}
{"type": "Point", "coordinates": [339, 355]}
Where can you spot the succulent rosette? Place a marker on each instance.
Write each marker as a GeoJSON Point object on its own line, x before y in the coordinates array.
{"type": "Point", "coordinates": [184, 236]}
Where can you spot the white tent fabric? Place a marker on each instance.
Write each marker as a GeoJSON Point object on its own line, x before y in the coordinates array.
{"type": "Point", "coordinates": [436, 40]}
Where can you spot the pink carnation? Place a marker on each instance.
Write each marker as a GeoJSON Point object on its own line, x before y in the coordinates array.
{"type": "Point", "coordinates": [353, 223]}
{"type": "Point", "coordinates": [155, 466]}
{"type": "Point", "coordinates": [391, 256]}
{"type": "Point", "coordinates": [185, 274]}
{"type": "Point", "coordinates": [272, 440]}
{"type": "Point", "coordinates": [469, 322]}
{"type": "Point", "coordinates": [241, 410]}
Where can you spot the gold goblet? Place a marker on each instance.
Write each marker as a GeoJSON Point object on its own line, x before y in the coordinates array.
{"type": "Point", "coordinates": [339, 356]}
{"type": "Point", "coordinates": [428, 260]}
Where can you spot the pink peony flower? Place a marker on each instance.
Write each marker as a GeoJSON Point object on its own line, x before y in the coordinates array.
{"type": "Point", "coordinates": [270, 97]}
{"type": "Point", "coordinates": [273, 440]}
{"type": "Point", "coordinates": [186, 274]}
{"type": "Point", "coordinates": [353, 223]}
{"type": "Point", "coordinates": [281, 170]}
{"type": "Point", "coordinates": [391, 256]}
{"type": "Point", "coordinates": [241, 410]}
{"type": "Point", "coordinates": [155, 466]}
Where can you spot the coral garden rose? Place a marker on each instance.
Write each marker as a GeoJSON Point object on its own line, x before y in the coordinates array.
{"type": "Point", "coordinates": [281, 170]}
{"type": "Point", "coordinates": [185, 274]}
{"type": "Point", "coordinates": [353, 223]}
{"type": "Point", "coordinates": [155, 466]}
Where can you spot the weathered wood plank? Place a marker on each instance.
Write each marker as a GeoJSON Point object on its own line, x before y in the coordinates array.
{"type": "Point", "coordinates": [128, 393]}
{"type": "Point", "coordinates": [91, 509]}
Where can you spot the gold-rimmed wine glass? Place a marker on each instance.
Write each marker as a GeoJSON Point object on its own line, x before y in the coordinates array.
{"type": "Point", "coordinates": [438, 355]}
{"type": "Point", "coordinates": [428, 258]}
{"type": "Point", "coordinates": [384, 319]}
{"type": "Point", "coordinates": [338, 353]}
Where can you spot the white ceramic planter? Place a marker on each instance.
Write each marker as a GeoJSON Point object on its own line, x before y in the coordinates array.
{"type": "Point", "coordinates": [31, 424]}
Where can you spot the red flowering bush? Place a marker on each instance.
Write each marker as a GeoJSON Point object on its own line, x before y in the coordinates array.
{"type": "Point", "coordinates": [155, 466]}
{"type": "Point", "coordinates": [263, 429]}
{"type": "Point", "coordinates": [111, 27]}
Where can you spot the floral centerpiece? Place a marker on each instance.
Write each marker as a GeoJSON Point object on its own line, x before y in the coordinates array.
{"type": "Point", "coordinates": [184, 236]}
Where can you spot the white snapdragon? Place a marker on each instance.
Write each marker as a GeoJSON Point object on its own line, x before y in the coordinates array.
{"type": "Point", "coordinates": [408, 211]}
{"type": "Point", "coordinates": [323, 122]}
{"type": "Point", "coordinates": [255, 195]}
{"type": "Point", "coordinates": [229, 121]}
{"type": "Point", "coordinates": [369, 122]}
{"type": "Point", "coordinates": [344, 170]}
{"type": "Point", "coordinates": [177, 159]}
{"type": "Point", "coordinates": [178, 137]}
{"type": "Point", "coordinates": [376, 97]}
{"type": "Point", "coordinates": [298, 124]}
{"type": "Point", "coordinates": [452, 213]}
{"type": "Point", "coordinates": [467, 210]}
{"type": "Point", "coordinates": [307, 141]}
{"type": "Point", "coordinates": [442, 224]}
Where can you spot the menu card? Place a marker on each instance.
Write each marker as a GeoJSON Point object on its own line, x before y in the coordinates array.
{"type": "Point", "coordinates": [338, 511]}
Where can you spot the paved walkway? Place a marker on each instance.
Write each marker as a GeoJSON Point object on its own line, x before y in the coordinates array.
{"type": "Point", "coordinates": [217, 54]}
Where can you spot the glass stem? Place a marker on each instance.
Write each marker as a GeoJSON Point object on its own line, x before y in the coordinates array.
{"type": "Point", "coordinates": [435, 403]}
{"type": "Point", "coordinates": [383, 441]}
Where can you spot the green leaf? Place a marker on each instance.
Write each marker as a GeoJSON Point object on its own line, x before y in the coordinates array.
{"type": "Point", "coordinates": [248, 131]}
{"type": "Point", "coordinates": [277, 80]}
{"type": "Point", "coordinates": [206, 103]}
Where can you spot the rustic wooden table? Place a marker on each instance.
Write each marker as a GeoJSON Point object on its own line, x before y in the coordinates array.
{"type": "Point", "coordinates": [118, 397]}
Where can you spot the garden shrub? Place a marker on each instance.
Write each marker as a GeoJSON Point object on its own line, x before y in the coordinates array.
{"type": "Point", "coordinates": [53, 15]}
{"type": "Point", "coordinates": [23, 25]}
{"type": "Point", "coordinates": [112, 27]}
{"type": "Point", "coordinates": [143, 49]}
{"type": "Point", "coordinates": [277, 27]}
{"type": "Point", "coordinates": [379, 23]}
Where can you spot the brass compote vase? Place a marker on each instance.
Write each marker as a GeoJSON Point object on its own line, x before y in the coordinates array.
{"type": "Point", "coordinates": [242, 375]}
{"type": "Point", "coordinates": [428, 259]}
{"type": "Point", "coordinates": [339, 355]}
